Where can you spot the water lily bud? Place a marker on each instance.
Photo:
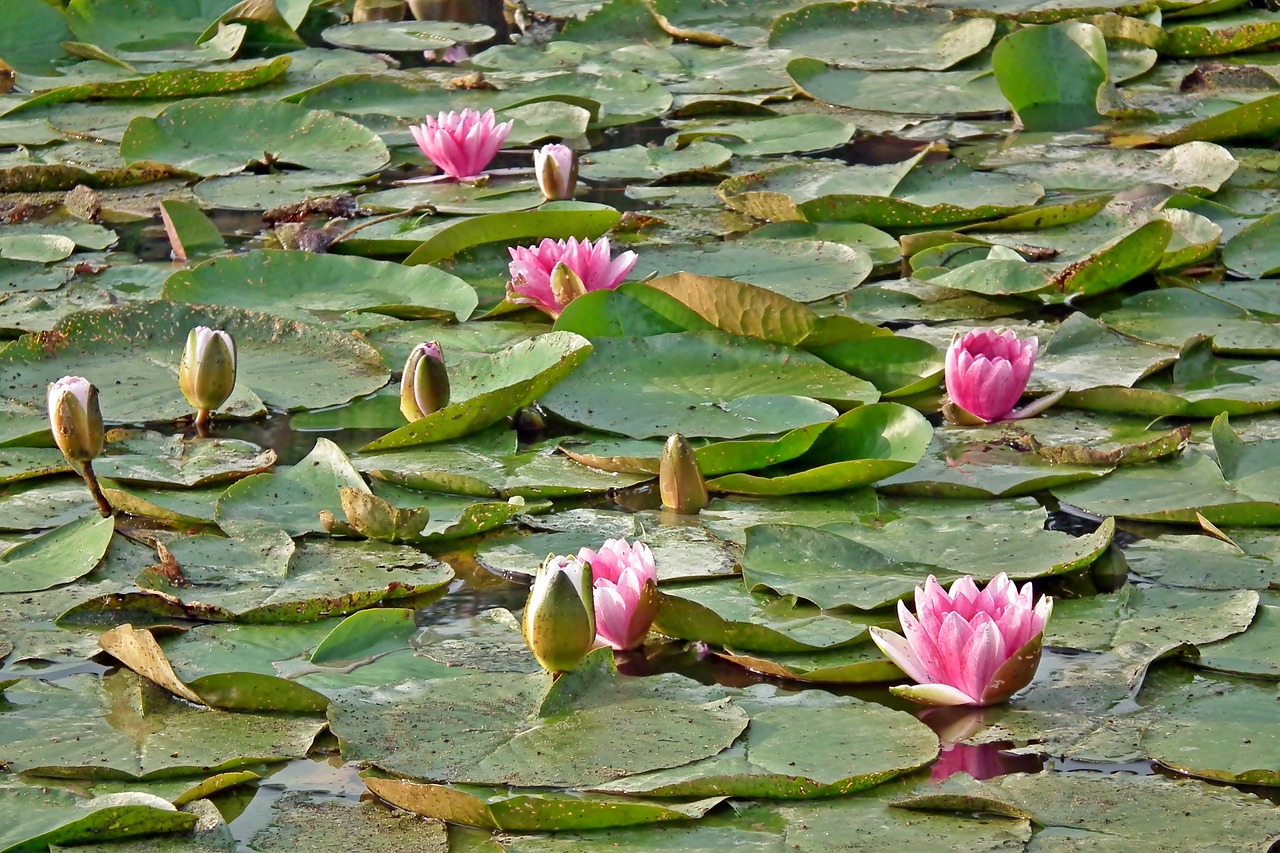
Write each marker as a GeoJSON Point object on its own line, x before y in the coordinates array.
{"type": "Point", "coordinates": [424, 387]}
{"type": "Point", "coordinates": [559, 620]}
{"type": "Point", "coordinates": [680, 481]}
{"type": "Point", "coordinates": [566, 286]}
{"type": "Point", "coordinates": [986, 373]}
{"type": "Point", "coordinates": [556, 168]}
{"type": "Point", "coordinates": [75, 418]}
{"type": "Point", "coordinates": [207, 372]}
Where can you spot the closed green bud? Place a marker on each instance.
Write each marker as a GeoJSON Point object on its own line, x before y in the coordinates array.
{"type": "Point", "coordinates": [207, 372]}
{"type": "Point", "coordinates": [424, 386]}
{"type": "Point", "coordinates": [560, 618]}
{"type": "Point", "coordinates": [75, 419]}
{"type": "Point", "coordinates": [680, 481]}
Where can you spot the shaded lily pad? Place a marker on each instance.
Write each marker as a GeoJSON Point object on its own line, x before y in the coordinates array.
{"type": "Point", "coordinates": [38, 817]}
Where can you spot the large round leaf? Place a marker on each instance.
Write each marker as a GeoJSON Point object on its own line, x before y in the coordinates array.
{"type": "Point", "coordinates": [702, 384]}
{"type": "Point", "coordinates": [218, 136]}
{"type": "Point", "coordinates": [313, 287]}
{"type": "Point", "coordinates": [881, 36]}
{"type": "Point", "coordinates": [131, 352]}
{"type": "Point", "coordinates": [804, 270]}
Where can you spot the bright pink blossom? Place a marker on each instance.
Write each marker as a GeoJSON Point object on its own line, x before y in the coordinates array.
{"type": "Point", "coordinates": [461, 144]}
{"type": "Point", "coordinates": [593, 265]}
{"type": "Point", "coordinates": [626, 591]}
{"type": "Point", "coordinates": [966, 647]}
{"type": "Point", "coordinates": [987, 371]}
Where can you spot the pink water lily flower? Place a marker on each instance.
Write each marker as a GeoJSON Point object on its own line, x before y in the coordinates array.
{"type": "Point", "coordinates": [987, 371]}
{"type": "Point", "coordinates": [461, 144]}
{"type": "Point", "coordinates": [555, 272]}
{"type": "Point", "coordinates": [626, 592]}
{"type": "Point", "coordinates": [966, 647]}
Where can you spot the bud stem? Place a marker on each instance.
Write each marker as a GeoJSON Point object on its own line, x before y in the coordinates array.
{"type": "Point", "coordinates": [91, 480]}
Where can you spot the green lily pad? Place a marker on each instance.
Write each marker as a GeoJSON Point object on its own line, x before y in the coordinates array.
{"type": "Point", "coordinates": [862, 663]}
{"type": "Point", "coordinates": [556, 220]}
{"type": "Point", "coordinates": [176, 83]}
{"type": "Point", "coordinates": [1252, 653]}
{"type": "Point", "coordinates": [323, 824]}
{"type": "Point", "coordinates": [218, 136]}
{"type": "Point", "coordinates": [293, 497]}
{"type": "Point", "coordinates": [1176, 815]}
{"type": "Point", "coordinates": [267, 581]}
{"type": "Point", "coordinates": [521, 730]}
{"type": "Point", "coordinates": [743, 391]}
{"type": "Point", "coordinates": [1202, 562]}
{"type": "Point", "coordinates": [146, 457]}
{"type": "Point", "coordinates": [809, 744]}
{"type": "Point", "coordinates": [39, 817]}
{"type": "Point", "coordinates": [405, 36]}
{"type": "Point", "coordinates": [921, 93]}
{"type": "Point", "coordinates": [1053, 76]}
{"type": "Point", "coordinates": [639, 162]}
{"type": "Point", "coordinates": [959, 538]}
{"type": "Point", "coordinates": [723, 613]}
{"type": "Point", "coordinates": [1158, 617]}
{"type": "Point", "coordinates": [1230, 33]}
{"type": "Point", "coordinates": [86, 727]}
{"type": "Point", "coordinates": [881, 36]}
{"type": "Point", "coordinates": [779, 135]}
{"type": "Point", "coordinates": [308, 287]}
{"type": "Point", "coordinates": [860, 447]}
{"type": "Point", "coordinates": [59, 556]}
{"type": "Point", "coordinates": [31, 36]}
{"type": "Point", "coordinates": [485, 389]}
{"type": "Point", "coordinates": [896, 194]}
{"type": "Point", "coordinates": [515, 810]}
{"type": "Point", "coordinates": [805, 271]}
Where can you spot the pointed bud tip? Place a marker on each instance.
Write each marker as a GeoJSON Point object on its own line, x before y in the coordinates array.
{"type": "Point", "coordinates": [680, 481]}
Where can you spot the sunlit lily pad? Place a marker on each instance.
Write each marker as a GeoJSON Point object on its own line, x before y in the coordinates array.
{"type": "Point", "coordinates": [520, 730]}
{"type": "Point", "coordinates": [57, 557]}
{"type": "Point", "coordinates": [36, 817]}
{"type": "Point", "coordinates": [514, 809]}
{"type": "Point", "coordinates": [743, 389]}
{"type": "Point", "coordinates": [218, 136]}
{"type": "Point", "coordinates": [94, 727]}
{"type": "Point", "coordinates": [311, 287]}
{"type": "Point", "coordinates": [138, 345]}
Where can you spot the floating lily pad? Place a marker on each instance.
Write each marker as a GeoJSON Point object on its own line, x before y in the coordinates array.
{"type": "Point", "coordinates": [860, 447]}
{"type": "Point", "coordinates": [724, 614]}
{"type": "Point", "coordinates": [805, 271]}
{"type": "Point", "coordinates": [309, 287]}
{"type": "Point", "coordinates": [218, 136]}
{"type": "Point", "coordinates": [87, 727]}
{"type": "Point", "coordinates": [881, 36]}
{"type": "Point", "coordinates": [780, 135]}
{"type": "Point", "coordinates": [922, 93]}
{"type": "Point", "coordinates": [1177, 815]}
{"type": "Point", "coordinates": [485, 389]}
{"type": "Point", "coordinates": [401, 36]}
{"type": "Point", "coordinates": [507, 809]}
{"type": "Point", "coordinates": [521, 730]}
{"type": "Point", "coordinates": [742, 389]}
{"type": "Point", "coordinates": [36, 817]}
{"type": "Point", "coordinates": [138, 345]}
{"type": "Point", "coordinates": [59, 556]}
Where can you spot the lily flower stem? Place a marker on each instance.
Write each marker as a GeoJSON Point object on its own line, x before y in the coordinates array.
{"type": "Point", "coordinates": [91, 480]}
